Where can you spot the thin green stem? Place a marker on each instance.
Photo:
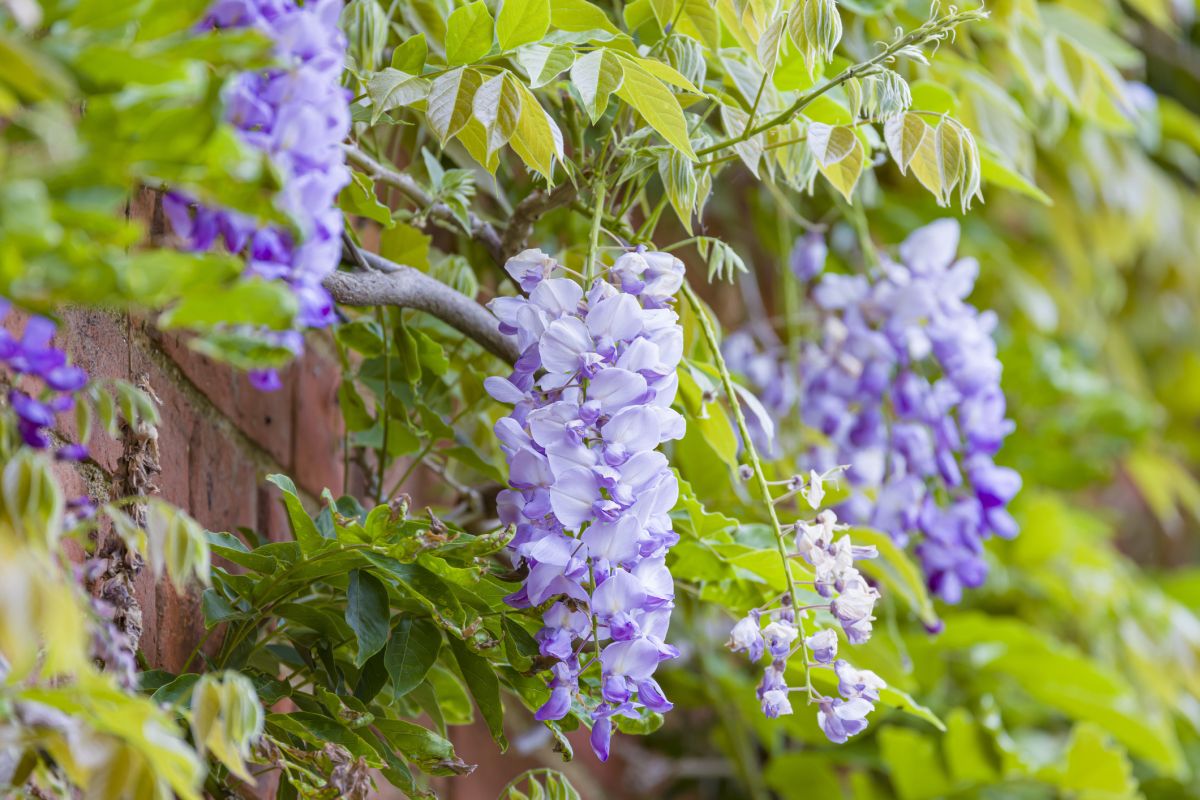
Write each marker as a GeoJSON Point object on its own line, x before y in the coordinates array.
{"type": "Point", "coordinates": [646, 231]}
{"type": "Point", "coordinates": [589, 270]}
{"type": "Point", "coordinates": [750, 453]}
{"type": "Point", "coordinates": [385, 412]}
{"type": "Point", "coordinates": [930, 30]}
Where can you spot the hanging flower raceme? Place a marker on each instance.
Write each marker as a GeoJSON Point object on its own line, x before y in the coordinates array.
{"type": "Point", "coordinates": [904, 385]}
{"type": "Point", "coordinates": [34, 357]}
{"type": "Point", "coordinates": [778, 631]}
{"type": "Point", "coordinates": [590, 494]}
{"type": "Point", "coordinates": [299, 114]}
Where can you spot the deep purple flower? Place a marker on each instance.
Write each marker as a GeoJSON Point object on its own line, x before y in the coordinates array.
{"type": "Point", "coordinates": [298, 114]}
{"type": "Point", "coordinates": [33, 355]}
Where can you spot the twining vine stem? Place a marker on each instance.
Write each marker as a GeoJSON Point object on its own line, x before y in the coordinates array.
{"type": "Point", "coordinates": [751, 455]}
{"type": "Point", "coordinates": [930, 30]}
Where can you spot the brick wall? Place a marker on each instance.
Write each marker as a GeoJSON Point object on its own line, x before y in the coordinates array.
{"type": "Point", "coordinates": [218, 439]}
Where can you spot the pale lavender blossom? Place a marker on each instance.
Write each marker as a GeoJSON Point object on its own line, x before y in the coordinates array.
{"type": "Point", "coordinates": [904, 385]}
{"type": "Point", "coordinates": [590, 495]}
{"type": "Point", "coordinates": [851, 605]}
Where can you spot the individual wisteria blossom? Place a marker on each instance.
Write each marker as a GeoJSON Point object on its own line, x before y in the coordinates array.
{"type": "Point", "coordinates": [297, 113]}
{"type": "Point", "coordinates": [846, 600]}
{"type": "Point", "coordinates": [590, 494]}
{"type": "Point", "coordinates": [904, 385]}
{"type": "Point", "coordinates": [34, 357]}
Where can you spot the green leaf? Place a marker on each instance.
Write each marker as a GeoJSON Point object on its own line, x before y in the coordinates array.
{"type": "Point", "coordinates": [432, 753]}
{"type": "Point", "coordinates": [358, 199]}
{"type": "Point", "coordinates": [948, 144]}
{"type": "Point", "coordinates": [319, 729]}
{"type": "Point", "coordinates": [484, 686]}
{"type": "Point", "coordinates": [663, 11]}
{"type": "Point", "coordinates": [410, 56]}
{"type": "Point", "coordinates": [596, 77]}
{"type": "Point", "coordinates": [303, 527]}
{"type": "Point", "coordinates": [537, 139]}
{"type": "Point", "coordinates": [543, 63]}
{"type": "Point", "coordinates": [468, 33]}
{"type": "Point", "coordinates": [903, 134]}
{"type": "Point", "coordinates": [913, 764]}
{"type": "Point", "coordinates": [1060, 677]}
{"type": "Point", "coordinates": [367, 613]}
{"type": "Point", "coordinates": [521, 22]}
{"type": "Point", "coordinates": [839, 155]}
{"type": "Point", "coordinates": [362, 336]}
{"type": "Point", "coordinates": [520, 648]}
{"type": "Point", "coordinates": [405, 244]}
{"type": "Point", "coordinates": [1095, 767]}
{"type": "Point", "coordinates": [967, 750]}
{"type": "Point", "coordinates": [391, 88]}
{"type": "Point", "coordinates": [896, 571]}
{"type": "Point", "coordinates": [497, 106]}
{"type": "Point", "coordinates": [996, 173]}
{"type": "Point", "coordinates": [664, 72]}
{"type": "Point", "coordinates": [411, 652]}
{"type": "Point", "coordinates": [579, 15]}
{"type": "Point", "coordinates": [450, 101]}
{"type": "Point", "coordinates": [252, 301]}
{"type": "Point", "coordinates": [679, 180]}
{"type": "Point", "coordinates": [698, 19]}
{"type": "Point", "coordinates": [657, 105]}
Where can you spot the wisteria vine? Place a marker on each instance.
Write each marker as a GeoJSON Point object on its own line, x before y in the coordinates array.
{"type": "Point", "coordinates": [31, 356]}
{"type": "Point", "coordinates": [590, 495]}
{"type": "Point", "coordinates": [904, 385]}
{"type": "Point", "coordinates": [299, 114]}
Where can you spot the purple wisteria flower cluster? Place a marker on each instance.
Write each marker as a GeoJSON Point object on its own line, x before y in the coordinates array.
{"type": "Point", "coordinates": [299, 114]}
{"type": "Point", "coordinates": [590, 495]}
{"type": "Point", "coordinates": [904, 385]}
{"type": "Point", "coordinates": [845, 599]}
{"type": "Point", "coordinates": [36, 359]}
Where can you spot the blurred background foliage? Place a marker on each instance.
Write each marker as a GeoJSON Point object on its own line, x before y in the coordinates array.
{"type": "Point", "coordinates": [1073, 672]}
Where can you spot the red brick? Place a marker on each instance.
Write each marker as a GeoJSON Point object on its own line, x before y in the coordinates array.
{"type": "Point", "coordinates": [273, 521]}
{"type": "Point", "coordinates": [222, 478]}
{"type": "Point", "coordinates": [180, 626]}
{"type": "Point", "coordinates": [316, 460]}
{"type": "Point", "coordinates": [98, 342]}
{"type": "Point", "coordinates": [265, 417]}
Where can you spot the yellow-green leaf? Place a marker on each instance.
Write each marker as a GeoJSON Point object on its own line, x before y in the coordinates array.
{"type": "Point", "coordinates": [698, 19]}
{"type": "Point", "coordinates": [521, 22]}
{"type": "Point", "coordinates": [657, 105]}
{"type": "Point", "coordinates": [579, 15]}
{"type": "Point", "coordinates": [903, 135]}
{"type": "Point", "coordinates": [410, 56]}
{"type": "Point", "coordinates": [537, 139]}
{"type": "Point", "coordinates": [468, 33]}
{"type": "Point", "coordinates": [450, 101]}
{"type": "Point", "coordinates": [497, 105]}
{"type": "Point", "coordinates": [597, 76]}
{"type": "Point", "coordinates": [543, 63]}
{"type": "Point", "coordinates": [390, 88]}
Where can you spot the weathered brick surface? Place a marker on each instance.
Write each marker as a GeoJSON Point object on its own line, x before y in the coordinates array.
{"type": "Point", "coordinates": [317, 454]}
{"type": "Point", "coordinates": [99, 343]}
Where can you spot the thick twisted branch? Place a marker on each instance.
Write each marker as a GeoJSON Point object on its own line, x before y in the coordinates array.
{"type": "Point", "coordinates": [393, 284]}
